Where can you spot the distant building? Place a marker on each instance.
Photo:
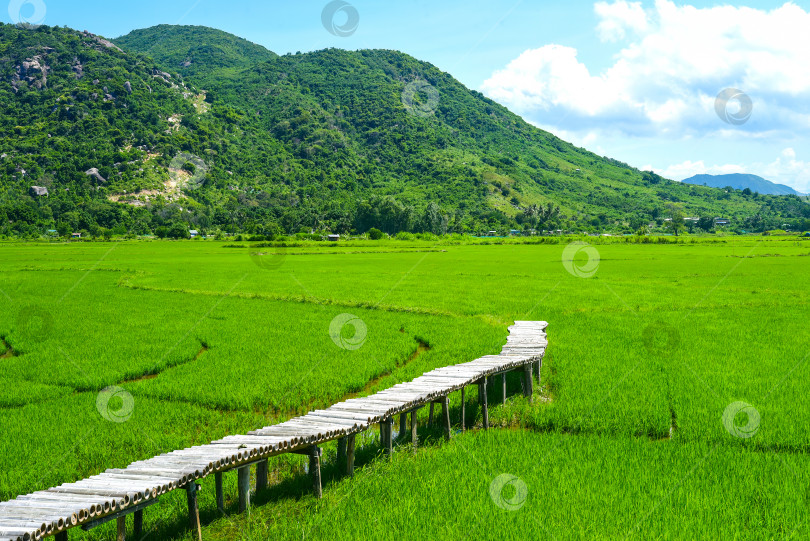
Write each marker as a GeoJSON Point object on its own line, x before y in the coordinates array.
{"type": "Point", "coordinates": [514, 232]}
{"type": "Point", "coordinates": [721, 221]}
{"type": "Point", "coordinates": [334, 238]}
{"type": "Point", "coordinates": [193, 233]}
{"type": "Point", "coordinates": [75, 235]}
{"type": "Point", "coordinates": [492, 234]}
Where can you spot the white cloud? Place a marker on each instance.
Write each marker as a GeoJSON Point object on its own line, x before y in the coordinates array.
{"type": "Point", "coordinates": [672, 63]}
{"type": "Point", "coordinates": [619, 17]}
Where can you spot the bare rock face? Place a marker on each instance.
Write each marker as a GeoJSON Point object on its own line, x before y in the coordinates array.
{"type": "Point", "coordinates": [102, 41]}
{"type": "Point", "coordinates": [93, 172]}
{"type": "Point", "coordinates": [185, 64]}
{"type": "Point", "coordinates": [33, 71]}
{"type": "Point", "coordinates": [78, 69]}
{"type": "Point", "coordinates": [38, 191]}
{"type": "Point", "coordinates": [128, 87]}
{"type": "Point", "coordinates": [161, 75]}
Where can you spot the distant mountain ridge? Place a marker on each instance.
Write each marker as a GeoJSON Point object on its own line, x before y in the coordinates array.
{"type": "Point", "coordinates": [741, 181]}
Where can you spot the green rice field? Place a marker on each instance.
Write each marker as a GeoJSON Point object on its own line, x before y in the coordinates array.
{"type": "Point", "coordinates": [672, 402]}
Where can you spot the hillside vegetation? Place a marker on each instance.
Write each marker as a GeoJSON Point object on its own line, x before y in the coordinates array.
{"type": "Point", "coordinates": [190, 127]}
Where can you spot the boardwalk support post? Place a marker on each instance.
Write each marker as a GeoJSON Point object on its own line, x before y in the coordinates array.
{"type": "Point", "coordinates": [61, 536]}
{"type": "Point", "coordinates": [385, 435]}
{"type": "Point", "coordinates": [137, 524]}
{"type": "Point", "coordinates": [243, 484]}
{"type": "Point", "coordinates": [262, 470]}
{"type": "Point", "coordinates": [527, 376]}
{"type": "Point", "coordinates": [482, 396]}
{"type": "Point", "coordinates": [350, 455]}
{"type": "Point", "coordinates": [193, 510]}
{"type": "Point", "coordinates": [446, 416]}
{"type": "Point", "coordinates": [121, 526]}
{"type": "Point", "coordinates": [220, 492]}
{"type": "Point", "coordinates": [341, 449]}
{"type": "Point", "coordinates": [403, 424]}
{"type": "Point", "coordinates": [315, 470]}
{"type": "Point", "coordinates": [463, 412]}
{"type": "Point", "coordinates": [430, 415]}
{"type": "Point", "coordinates": [414, 437]}
{"type": "Point", "coordinates": [503, 381]}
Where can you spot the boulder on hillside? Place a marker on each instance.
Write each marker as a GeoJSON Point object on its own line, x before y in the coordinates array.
{"type": "Point", "coordinates": [93, 172]}
{"type": "Point", "coordinates": [38, 191]}
{"type": "Point", "coordinates": [33, 71]}
{"type": "Point", "coordinates": [128, 87]}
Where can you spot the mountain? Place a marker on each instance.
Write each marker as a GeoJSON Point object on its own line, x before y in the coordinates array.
{"type": "Point", "coordinates": [177, 127]}
{"type": "Point", "coordinates": [740, 181]}
{"type": "Point", "coordinates": [195, 51]}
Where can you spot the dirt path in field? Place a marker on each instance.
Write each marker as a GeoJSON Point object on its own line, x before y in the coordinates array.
{"type": "Point", "coordinates": [420, 349]}
{"type": "Point", "coordinates": [146, 377]}
{"type": "Point", "coordinates": [8, 351]}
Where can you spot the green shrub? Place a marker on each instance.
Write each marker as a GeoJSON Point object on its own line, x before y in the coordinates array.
{"type": "Point", "coordinates": [375, 234]}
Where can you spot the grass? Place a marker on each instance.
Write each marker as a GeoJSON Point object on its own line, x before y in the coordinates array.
{"type": "Point", "coordinates": [645, 359]}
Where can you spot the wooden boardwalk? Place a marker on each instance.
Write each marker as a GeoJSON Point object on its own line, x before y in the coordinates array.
{"type": "Point", "coordinates": [117, 493]}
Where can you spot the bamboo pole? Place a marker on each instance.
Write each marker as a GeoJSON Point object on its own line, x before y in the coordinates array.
{"type": "Point", "coordinates": [482, 395]}
{"type": "Point", "coordinates": [463, 412]}
{"type": "Point", "coordinates": [262, 468]}
{"type": "Point", "coordinates": [137, 524]}
{"type": "Point", "coordinates": [219, 492]}
{"type": "Point", "coordinates": [193, 510]}
{"type": "Point", "coordinates": [527, 375]}
{"type": "Point", "coordinates": [341, 449]}
{"type": "Point", "coordinates": [350, 447]}
{"type": "Point", "coordinates": [121, 527]}
{"type": "Point", "coordinates": [243, 482]}
{"type": "Point", "coordinates": [315, 471]}
{"type": "Point", "coordinates": [446, 417]}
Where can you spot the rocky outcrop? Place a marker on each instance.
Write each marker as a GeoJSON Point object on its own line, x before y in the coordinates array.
{"type": "Point", "coordinates": [38, 191]}
{"type": "Point", "coordinates": [33, 71]}
{"type": "Point", "coordinates": [78, 69]}
{"type": "Point", "coordinates": [162, 75]}
{"type": "Point", "coordinates": [93, 172]}
{"type": "Point", "coordinates": [128, 87]}
{"type": "Point", "coordinates": [102, 41]}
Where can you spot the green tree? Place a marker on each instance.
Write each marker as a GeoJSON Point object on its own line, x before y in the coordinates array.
{"type": "Point", "coordinates": [375, 234]}
{"type": "Point", "coordinates": [179, 230]}
{"type": "Point", "coordinates": [677, 223]}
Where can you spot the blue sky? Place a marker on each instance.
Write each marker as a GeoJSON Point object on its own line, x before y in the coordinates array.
{"type": "Point", "coordinates": [636, 81]}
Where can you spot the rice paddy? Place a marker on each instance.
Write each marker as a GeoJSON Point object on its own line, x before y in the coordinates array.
{"type": "Point", "coordinates": [671, 404]}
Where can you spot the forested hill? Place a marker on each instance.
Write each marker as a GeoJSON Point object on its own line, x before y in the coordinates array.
{"type": "Point", "coordinates": [178, 127]}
